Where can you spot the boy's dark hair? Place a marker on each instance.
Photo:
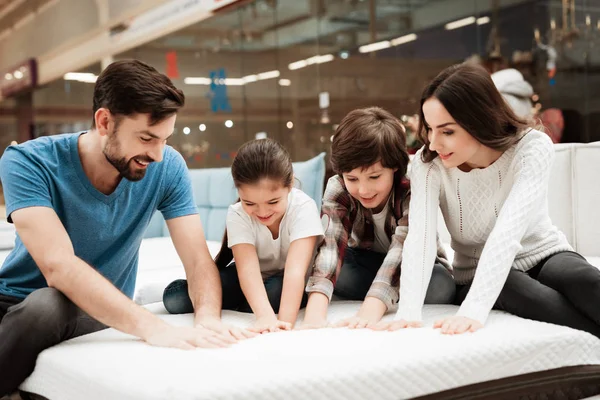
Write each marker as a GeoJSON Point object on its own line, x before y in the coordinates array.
{"type": "Point", "coordinates": [470, 96]}
{"type": "Point", "coordinates": [257, 160]}
{"type": "Point", "coordinates": [366, 136]}
{"type": "Point", "coordinates": [131, 87]}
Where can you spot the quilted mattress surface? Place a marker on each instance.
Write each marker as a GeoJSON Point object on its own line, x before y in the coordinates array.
{"type": "Point", "coordinates": [320, 364]}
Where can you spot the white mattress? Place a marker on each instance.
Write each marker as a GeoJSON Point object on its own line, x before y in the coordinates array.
{"type": "Point", "coordinates": [158, 266]}
{"type": "Point", "coordinates": [321, 364]}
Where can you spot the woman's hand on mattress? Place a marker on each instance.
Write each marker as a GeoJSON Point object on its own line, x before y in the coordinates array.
{"type": "Point", "coordinates": [397, 325]}
{"type": "Point", "coordinates": [187, 338]}
{"type": "Point", "coordinates": [270, 324]}
{"type": "Point", "coordinates": [456, 325]}
{"type": "Point", "coordinates": [226, 330]}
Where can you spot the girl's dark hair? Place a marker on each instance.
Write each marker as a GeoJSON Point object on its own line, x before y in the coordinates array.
{"type": "Point", "coordinates": [257, 160]}
{"type": "Point", "coordinates": [131, 87]}
{"type": "Point", "coordinates": [366, 136]}
{"type": "Point", "coordinates": [470, 96]}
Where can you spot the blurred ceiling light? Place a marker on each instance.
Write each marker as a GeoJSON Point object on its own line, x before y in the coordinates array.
{"type": "Point", "coordinates": [18, 74]}
{"type": "Point", "coordinates": [197, 81]}
{"type": "Point", "coordinates": [483, 20]}
{"type": "Point", "coordinates": [403, 39]}
{"type": "Point", "coordinates": [289, 124]}
{"type": "Point", "coordinates": [297, 65]}
{"type": "Point", "coordinates": [186, 130]}
{"type": "Point", "coordinates": [320, 59]}
{"type": "Point", "coordinates": [285, 82]}
{"type": "Point", "coordinates": [191, 80]}
{"type": "Point", "coordinates": [269, 75]}
{"type": "Point", "coordinates": [202, 127]}
{"type": "Point", "coordinates": [460, 23]}
{"type": "Point", "coordinates": [8, 76]}
{"type": "Point", "coordinates": [344, 54]}
{"type": "Point", "coordinates": [367, 48]}
{"type": "Point", "coordinates": [86, 77]}
{"type": "Point", "coordinates": [229, 123]}
{"type": "Point", "coordinates": [234, 81]}
{"type": "Point", "coordinates": [260, 135]}
{"type": "Point", "coordinates": [250, 78]}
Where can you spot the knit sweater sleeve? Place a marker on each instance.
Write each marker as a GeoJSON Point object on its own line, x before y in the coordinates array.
{"type": "Point", "coordinates": [420, 245]}
{"type": "Point", "coordinates": [531, 169]}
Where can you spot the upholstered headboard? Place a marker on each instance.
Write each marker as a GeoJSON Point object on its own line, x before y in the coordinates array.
{"type": "Point", "coordinates": [214, 192]}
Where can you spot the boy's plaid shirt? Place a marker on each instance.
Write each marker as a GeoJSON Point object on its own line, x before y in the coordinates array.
{"type": "Point", "coordinates": [343, 216]}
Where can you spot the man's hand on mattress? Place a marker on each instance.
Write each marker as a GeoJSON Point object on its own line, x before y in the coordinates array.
{"type": "Point", "coordinates": [187, 338]}
{"type": "Point", "coordinates": [270, 324]}
{"type": "Point", "coordinates": [227, 330]}
{"type": "Point", "coordinates": [456, 325]}
{"type": "Point", "coordinates": [397, 325]}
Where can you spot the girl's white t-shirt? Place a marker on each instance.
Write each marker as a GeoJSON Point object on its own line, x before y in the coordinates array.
{"type": "Point", "coordinates": [301, 220]}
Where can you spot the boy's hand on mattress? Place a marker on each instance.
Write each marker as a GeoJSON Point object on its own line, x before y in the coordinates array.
{"type": "Point", "coordinates": [397, 325]}
{"type": "Point", "coordinates": [369, 314]}
{"type": "Point", "coordinates": [456, 325]}
{"type": "Point", "coordinates": [226, 330]}
{"type": "Point", "coordinates": [313, 324]}
{"type": "Point", "coordinates": [186, 338]}
{"type": "Point", "coordinates": [356, 322]}
{"type": "Point", "coordinates": [270, 324]}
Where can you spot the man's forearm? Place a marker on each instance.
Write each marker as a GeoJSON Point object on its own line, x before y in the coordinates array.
{"type": "Point", "coordinates": [205, 291]}
{"type": "Point", "coordinates": [99, 298]}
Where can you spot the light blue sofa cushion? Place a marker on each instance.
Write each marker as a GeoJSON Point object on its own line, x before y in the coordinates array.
{"type": "Point", "coordinates": [214, 192]}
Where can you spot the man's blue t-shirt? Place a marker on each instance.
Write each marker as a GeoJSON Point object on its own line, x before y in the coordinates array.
{"type": "Point", "coordinates": [106, 230]}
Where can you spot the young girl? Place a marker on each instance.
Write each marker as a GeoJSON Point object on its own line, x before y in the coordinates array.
{"type": "Point", "coordinates": [489, 174]}
{"type": "Point", "coordinates": [271, 235]}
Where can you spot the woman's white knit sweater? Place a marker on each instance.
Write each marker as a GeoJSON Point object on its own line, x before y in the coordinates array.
{"type": "Point", "coordinates": [497, 217]}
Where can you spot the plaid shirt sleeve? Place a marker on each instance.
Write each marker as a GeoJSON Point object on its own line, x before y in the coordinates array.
{"type": "Point", "coordinates": [386, 285]}
{"type": "Point", "coordinates": [335, 214]}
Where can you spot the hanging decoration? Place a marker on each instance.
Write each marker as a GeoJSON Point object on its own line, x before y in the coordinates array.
{"type": "Point", "coordinates": [172, 71]}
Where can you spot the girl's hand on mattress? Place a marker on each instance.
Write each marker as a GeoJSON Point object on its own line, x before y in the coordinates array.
{"type": "Point", "coordinates": [226, 330]}
{"type": "Point", "coordinates": [186, 338]}
{"type": "Point", "coordinates": [270, 324]}
{"type": "Point", "coordinates": [396, 325]}
{"type": "Point", "coordinates": [456, 325]}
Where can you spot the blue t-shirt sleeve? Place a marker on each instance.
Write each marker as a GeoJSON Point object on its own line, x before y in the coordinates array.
{"type": "Point", "coordinates": [178, 197]}
{"type": "Point", "coordinates": [24, 182]}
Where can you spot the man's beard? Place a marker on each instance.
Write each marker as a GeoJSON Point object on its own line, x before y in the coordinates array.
{"type": "Point", "coordinates": [127, 168]}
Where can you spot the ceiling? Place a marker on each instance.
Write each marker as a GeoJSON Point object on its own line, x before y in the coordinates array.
{"type": "Point", "coordinates": [13, 12]}
{"type": "Point", "coordinates": [268, 24]}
